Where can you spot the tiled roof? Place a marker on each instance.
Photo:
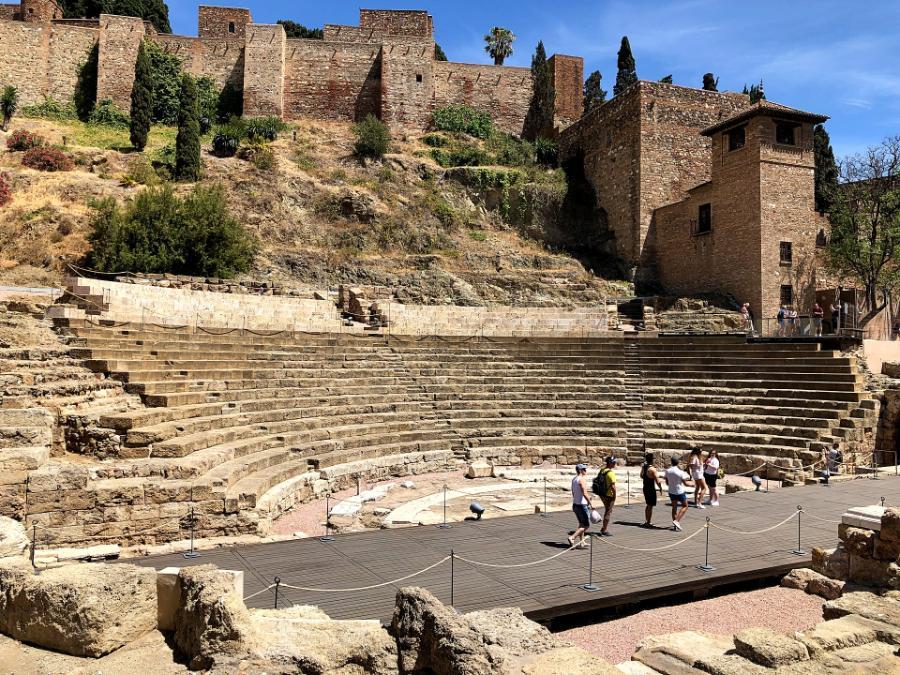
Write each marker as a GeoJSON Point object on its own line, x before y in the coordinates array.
{"type": "Point", "coordinates": [765, 108]}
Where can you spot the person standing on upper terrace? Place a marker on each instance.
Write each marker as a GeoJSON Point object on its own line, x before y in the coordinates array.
{"type": "Point", "coordinates": [581, 505]}
{"type": "Point", "coordinates": [818, 314]}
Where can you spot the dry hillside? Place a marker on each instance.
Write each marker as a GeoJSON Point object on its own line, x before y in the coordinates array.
{"type": "Point", "coordinates": [468, 236]}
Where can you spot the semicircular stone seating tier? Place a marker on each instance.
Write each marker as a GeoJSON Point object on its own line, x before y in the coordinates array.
{"type": "Point", "coordinates": [240, 427]}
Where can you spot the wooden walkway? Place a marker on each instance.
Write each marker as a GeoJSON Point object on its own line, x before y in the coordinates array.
{"type": "Point", "coordinates": [550, 589]}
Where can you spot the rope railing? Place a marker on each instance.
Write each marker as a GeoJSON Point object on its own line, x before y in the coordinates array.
{"type": "Point", "coordinates": [310, 589]}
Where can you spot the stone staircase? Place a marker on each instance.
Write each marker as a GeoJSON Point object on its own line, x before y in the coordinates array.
{"type": "Point", "coordinates": [634, 406]}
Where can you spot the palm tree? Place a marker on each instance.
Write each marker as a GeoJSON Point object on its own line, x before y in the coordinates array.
{"type": "Point", "coordinates": [499, 44]}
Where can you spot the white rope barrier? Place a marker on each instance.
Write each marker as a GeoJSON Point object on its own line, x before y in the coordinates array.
{"type": "Point", "coordinates": [266, 589]}
{"type": "Point", "coordinates": [824, 520]}
{"type": "Point", "coordinates": [651, 550]}
{"type": "Point", "coordinates": [725, 528]}
{"type": "Point", "coordinates": [367, 588]}
{"type": "Point", "coordinates": [516, 565]}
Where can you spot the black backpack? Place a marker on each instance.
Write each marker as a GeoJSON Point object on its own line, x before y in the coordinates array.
{"type": "Point", "coordinates": [598, 487]}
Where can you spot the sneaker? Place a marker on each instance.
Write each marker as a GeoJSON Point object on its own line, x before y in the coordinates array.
{"type": "Point", "coordinates": [606, 534]}
{"type": "Point", "coordinates": [716, 503]}
{"type": "Point", "coordinates": [700, 506]}
{"type": "Point", "coordinates": [676, 526]}
{"type": "Point", "coordinates": [571, 541]}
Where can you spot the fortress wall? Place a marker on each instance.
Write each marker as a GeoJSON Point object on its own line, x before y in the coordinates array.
{"type": "Point", "coordinates": [68, 50]}
{"type": "Point", "coordinates": [502, 91]}
{"type": "Point", "coordinates": [336, 33]}
{"type": "Point", "coordinates": [24, 58]}
{"type": "Point", "coordinates": [334, 81]}
{"type": "Point", "coordinates": [218, 22]}
{"type": "Point", "coordinates": [407, 83]}
{"type": "Point", "coordinates": [10, 13]}
{"type": "Point", "coordinates": [120, 40]}
{"type": "Point", "coordinates": [264, 68]}
{"type": "Point", "coordinates": [568, 82]}
{"type": "Point", "coordinates": [398, 22]}
{"type": "Point", "coordinates": [222, 59]}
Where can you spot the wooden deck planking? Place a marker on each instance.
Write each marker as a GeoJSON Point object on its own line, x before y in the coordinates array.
{"type": "Point", "coordinates": [551, 588]}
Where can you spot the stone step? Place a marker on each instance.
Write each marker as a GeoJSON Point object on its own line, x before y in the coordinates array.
{"type": "Point", "coordinates": [23, 458]}
{"type": "Point", "coordinates": [736, 426]}
{"type": "Point", "coordinates": [758, 440]}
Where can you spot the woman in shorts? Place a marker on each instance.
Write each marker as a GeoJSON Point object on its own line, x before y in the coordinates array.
{"type": "Point", "coordinates": [711, 476]}
{"type": "Point", "coordinates": [695, 467]}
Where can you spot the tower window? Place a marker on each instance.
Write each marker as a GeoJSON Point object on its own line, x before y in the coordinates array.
{"type": "Point", "coordinates": [231, 27]}
{"type": "Point", "coordinates": [785, 134]}
{"type": "Point", "coordinates": [787, 294]}
{"type": "Point", "coordinates": [419, 77]}
{"type": "Point", "coordinates": [704, 219]}
{"type": "Point", "coordinates": [786, 253]}
{"type": "Point", "coordinates": [737, 138]}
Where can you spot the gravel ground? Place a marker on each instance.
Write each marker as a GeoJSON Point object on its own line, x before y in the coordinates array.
{"type": "Point", "coordinates": [781, 609]}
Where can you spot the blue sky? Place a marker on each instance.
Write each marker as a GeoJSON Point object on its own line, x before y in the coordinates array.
{"type": "Point", "coordinates": [835, 57]}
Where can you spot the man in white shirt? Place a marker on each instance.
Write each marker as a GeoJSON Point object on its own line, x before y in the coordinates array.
{"type": "Point", "coordinates": [676, 479]}
{"type": "Point", "coordinates": [581, 505]}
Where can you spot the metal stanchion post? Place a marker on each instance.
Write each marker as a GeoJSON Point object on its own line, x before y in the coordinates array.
{"type": "Point", "coordinates": [193, 521]}
{"type": "Point", "coordinates": [874, 465]}
{"type": "Point", "coordinates": [706, 567]}
{"type": "Point", "coordinates": [766, 467]}
{"type": "Point", "coordinates": [277, 585]}
{"type": "Point", "coordinates": [34, 545]}
{"type": "Point", "coordinates": [589, 586]}
{"type": "Point", "coordinates": [452, 576]}
{"type": "Point", "coordinates": [445, 525]}
{"type": "Point", "coordinates": [627, 489]}
{"type": "Point", "coordinates": [327, 536]}
{"type": "Point", "coordinates": [799, 550]}
{"type": "Point", "coordinates": [882, 502]}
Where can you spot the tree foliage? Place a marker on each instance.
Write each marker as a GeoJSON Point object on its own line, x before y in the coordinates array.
{"type": "Point", "coordinates": [160, 232]}
{"type": "Point", "coordinates": [499, 44]}
{"type": "Point", "coordinates": [865, 223]}
{"type": "Point", "coordinates": [207, 102]}
{"type": "Point", "coordinates": [298, 30]}
{"type": "Point", "coordinates": [85, 96]}
{"type": "Point", "coordinates": [463, 120]}
{"type": "Point", "coordinates": [187, 142]}
{"type": "Point", "coordinates": [373, 138]}
{"type": "Point", "coordinates": [141, 100]}
{"type": "Point", "coordinates": [154, 11]}
{"type": "Point", "coordinates": [542, 108]}
{"type": "Point", "coordinates": [667, 79]}
{"type": "Point", "coordinates": [165, 84]}
{"type": "Point", "coordinates": [756, 92]}
{"type": "Point", "coordinates": [9, 104]}
{"type": "Point", "coordinates": [594, 93]}
{"type": "Point", "coordinates": [826, 178]}
{"type": "Point", "coordinates": [710, 82]}
{"type": "Point", "coordinates": [627, 74]}
{"type": "Point", "coordinates": [439, 54]}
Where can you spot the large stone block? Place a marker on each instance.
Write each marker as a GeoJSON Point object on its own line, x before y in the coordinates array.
{"type": "Point", "coordinates": [869, 605]}
{"type": "Point", "coordinates": [83, 610]}
{"type": "Point", "coordinates": [848, 631]}
{"type": "Point", "coordinates": [834, 563]}
{"type": "Point", "coordinates": [890, 524]}
{"type": "Point", "coordinates": [768, 648]}
{"type": "Point", "coordinates": [871, 572]}
{"type": "Point", "coordinates": [857, 541]}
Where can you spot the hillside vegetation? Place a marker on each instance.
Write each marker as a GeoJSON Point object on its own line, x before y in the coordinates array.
{"type": "Point", "coordinates": [443, 217]}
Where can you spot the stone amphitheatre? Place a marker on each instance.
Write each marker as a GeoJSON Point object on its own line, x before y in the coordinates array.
{"type": "Point", "coordinates": [282, 476]}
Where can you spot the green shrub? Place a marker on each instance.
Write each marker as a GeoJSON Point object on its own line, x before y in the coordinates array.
{"type": "Point", "coordinates": [546, 151]}
{"type": "Point", "coordinates": [436, 140]}
{"type": "Point", "coordinates": [442, 210]}
{"type": "Point", "coordinates": [163, 160]}
{"type": "Point", "coordinates": [264, 160]}
{"type": "Point", "coordinates": [107, 113]}
{"type": "Point", "coordinates": [465, 155]}
{"type": "Point", "coordinates": [160, 232]}
{"type": "Point", "coordinates": [165, 84]}
{"type": "Point", "coordinates": [5, 189]}
{"type": "Point", "coordinates": [509, 150]}
{"type": "Point", "coordinates": [373, 138]}
{"type": "Point", "coordinates": [21, 140]}
{"type": "Point", "coordinates": [477, 235]}
{"type": "Point", "coordinates": [208, 102]}
{"type": "Point", "coordinates": [140, 172]}
{"type": "Point", "coordinates": [228, 137]}
{"type": "Point", "coordinates": [51, 109]}
{"type": "Point", "coordinates": [263, 128]}
{"type": "Point", "coordinates": [9, 104]}
{"type": "Point", "coordinates": [463, 119]}
{"type": "Point", "coordinates": [47, 159]}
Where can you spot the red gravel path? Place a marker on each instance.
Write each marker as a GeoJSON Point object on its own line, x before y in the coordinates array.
{"type": "Point", "coordinates": [780, 609]}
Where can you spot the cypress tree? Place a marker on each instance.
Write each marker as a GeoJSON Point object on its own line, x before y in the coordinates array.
{"type": "Point", "coordinates": [594, 94]}
{"type": "Point", "coordinates": [541, 111]}
{"type": "Point", "coordinates": [627, 74]}
{"type": "Point", "coordinates": [187, 142]}
{"type": "Point", "coordinates": [826, 177]}
{"type": "Point", "coordinates": [141, 100]}
{"type": "Point", "coordinates": [439, 54]}
{"type": "Point", "coordinates": [666, 80]}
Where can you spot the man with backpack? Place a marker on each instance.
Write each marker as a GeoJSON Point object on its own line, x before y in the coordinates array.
{"type": "Point", "coordinates": [605, 487]}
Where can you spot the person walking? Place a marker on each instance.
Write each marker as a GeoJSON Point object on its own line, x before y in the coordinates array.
{"type": "Point", "coordinates": [818, 315]}
{"type": "Point", "coordinates": [711, 476]}
{"type": "Point", "coordinates": [792, 321]}
{"type": "Point", "coordinates": [782, 312]}
{"type": "Point", "coordinates": [676, 479]}
{"type": "Point", "coordinates": [651, 483]}
{"type": "Point", "coordinates": [605, 487]}
{"type": "Point", "coordinates": [835, 317]}
{"type": "Point", "coordinates": [581, 505]}
{"type": "Point", "coordinates": [695, 465]}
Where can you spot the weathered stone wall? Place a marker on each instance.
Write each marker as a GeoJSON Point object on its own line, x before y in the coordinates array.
{"type": "Point", "coordinates": [120, 40]}
{"type": "Point", "coordinates": [568, 83]}
{"type": "Point", "coordinates": [264, 65]}
{"type": "Point", "coordinates": [643, 150]}
{"type": "Point", "coordinates": [221, 59]}
{"type": "Point", "coordinates": [413, 23]}
{"type": "Point", "coordinates": [887, 440]}
{"type": "Point", "coordinates": [223, 22]}
{"type": "Point", "coordinates": [23, 59]}
{"type": "Point", "coordinates": [68, 49]}
{"type": "Point", "coordinates": [407, 82]}
{"type": "Point", "coordinates": [332, 81]}
{"type": "Point", "coordinates": [338, 33]}
{"type": "Point", "coordinates": [40, 11]}
{"type": "Point", "coordinates": [10, 12]}
{"type": "Point", "coordinates": [502, 91]}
